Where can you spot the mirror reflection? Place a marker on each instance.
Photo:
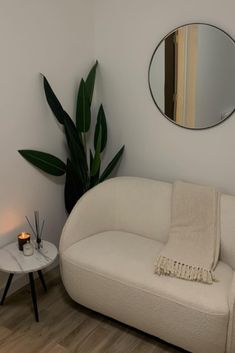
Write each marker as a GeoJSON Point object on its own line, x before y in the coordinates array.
{"type": "Point", "coordinates": [192, 76]}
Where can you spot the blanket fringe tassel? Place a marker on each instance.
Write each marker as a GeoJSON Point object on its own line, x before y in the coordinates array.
{"type": "Point", "coordinates": [169, 267]}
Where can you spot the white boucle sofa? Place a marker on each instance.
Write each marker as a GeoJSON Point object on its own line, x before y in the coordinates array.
{"type": "Point", "coordinates": [108, 247]}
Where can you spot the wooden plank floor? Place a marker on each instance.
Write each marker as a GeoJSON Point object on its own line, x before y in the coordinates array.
{"type": "Point", "coordinates": [67, 327]}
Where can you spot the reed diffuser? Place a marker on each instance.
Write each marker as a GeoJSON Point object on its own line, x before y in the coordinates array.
{"type": "Point", "coordinates": [37, 229]}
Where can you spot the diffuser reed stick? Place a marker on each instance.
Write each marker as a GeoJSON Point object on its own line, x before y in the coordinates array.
{"type": "Point", "coordinates": [37, 229]}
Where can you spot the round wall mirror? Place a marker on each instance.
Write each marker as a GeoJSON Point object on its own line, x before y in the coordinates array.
{"type": "Point", "coordinates": [192, 76]}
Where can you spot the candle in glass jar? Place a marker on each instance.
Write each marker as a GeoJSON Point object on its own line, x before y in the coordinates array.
{"type": "Point", "coordinates": [22, 239]}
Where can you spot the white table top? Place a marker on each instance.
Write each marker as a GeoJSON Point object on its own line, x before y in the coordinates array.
{"type": "Point", "coordinates": [13, 260]}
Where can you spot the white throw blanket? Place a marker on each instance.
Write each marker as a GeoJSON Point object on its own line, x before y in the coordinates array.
{"type": "Point", "coordinates": [192, 250]}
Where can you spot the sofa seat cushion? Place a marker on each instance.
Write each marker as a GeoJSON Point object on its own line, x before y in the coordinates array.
{"type": "Point", "coordinates": [113, 273]}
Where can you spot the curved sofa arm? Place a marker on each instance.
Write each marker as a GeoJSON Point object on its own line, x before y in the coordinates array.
{"type": "Point", "coordinates": [131, 204]}
{"type": "Point", "coordinates": [231, 327]}
{"type": "Point", "coordinates": [93, 213]}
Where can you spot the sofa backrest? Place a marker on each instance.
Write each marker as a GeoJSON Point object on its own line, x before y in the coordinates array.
{"type": "Point", "coordinates": [145, 208]}
{"type": "Point", "coordinates": [140, 206]}
{"type": "Point", "coordinates": [227, 207]}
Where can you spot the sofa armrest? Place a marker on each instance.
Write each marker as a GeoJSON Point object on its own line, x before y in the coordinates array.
{"type": "Point", "coordinates": [131, 204]}
{"type": "Point", "coordinates": [93, 213]}
{"type": "Point", "coordinates": [230, 348]}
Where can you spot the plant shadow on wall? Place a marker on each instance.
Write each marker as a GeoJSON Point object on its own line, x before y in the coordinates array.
{"type": "Point", "coordinates": [83, 167]}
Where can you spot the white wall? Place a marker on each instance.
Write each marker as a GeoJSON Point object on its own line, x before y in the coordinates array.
{"type": "Point", "coordinates": [127, 31]}
{"type": "Point", "coordinates": [54, 37]}
{"type": "Point", "coordinates": [157, 76]}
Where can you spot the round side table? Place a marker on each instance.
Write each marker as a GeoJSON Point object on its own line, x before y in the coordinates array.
{"type": "Point", "coordinates": [12, 260]}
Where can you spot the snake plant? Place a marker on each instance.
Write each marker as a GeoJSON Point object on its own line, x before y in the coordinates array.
{"type": "Point", "coordinates": [83, 165]}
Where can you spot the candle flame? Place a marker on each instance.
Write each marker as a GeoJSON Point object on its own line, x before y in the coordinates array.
{"type": "Point", "coordinates": [24, 235]}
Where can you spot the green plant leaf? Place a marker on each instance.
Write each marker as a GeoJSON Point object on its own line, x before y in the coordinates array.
{"type": "Point", "coordinates": [94, 180]}
{"type": "Point", "coordinates": [90, 82]}
{"type": "Point", "coordinates": [83, 113]}
{"type": "Point", "coordinates": [76, 149]}
{"type": "Point", "coordinates": [91, 159]}
{"type": "Point", "coordinates": [96, 160]}
{"type": "Point", "coordinates": [73, 188]}
{"type": "Point", "coordinates": [44, 161]}
{"type": "Point", "coordinates": [69, 125]}
{"type": "Point", "coordinates": [53, 102]}
{"type": "Point", "coordinates": [101, 124]}
{"type": "Point", "coordinates": [111, 165]}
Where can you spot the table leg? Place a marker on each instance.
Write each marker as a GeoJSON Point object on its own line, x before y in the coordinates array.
{"type": "Point", "coordinates": [7, 288]}
{"type": "Point", "coordinates": [34, 297]}
{"type": "Point", "coordinates": [42, 280]}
